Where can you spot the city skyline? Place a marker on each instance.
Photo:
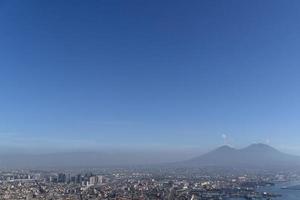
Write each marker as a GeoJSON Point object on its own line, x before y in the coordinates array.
{"type": "Point", "coordinates": [150, 75]}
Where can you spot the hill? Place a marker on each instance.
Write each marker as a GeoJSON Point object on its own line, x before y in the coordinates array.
{"type": "Point", "coordinates": [255, 155]}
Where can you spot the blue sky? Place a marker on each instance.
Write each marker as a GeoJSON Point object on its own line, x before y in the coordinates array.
{"type": "Point", "coordinates": [149, 74]}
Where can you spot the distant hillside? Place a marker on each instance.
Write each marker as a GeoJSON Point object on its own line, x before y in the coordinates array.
{"type": "Point", "coordinates": [255, 155]}
{"type": "Point", "coordinates": [88, 159]}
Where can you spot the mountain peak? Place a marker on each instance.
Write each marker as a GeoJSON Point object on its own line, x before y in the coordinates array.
{"type": "Point", "coordinates": [225, 148]}
{"type": "Point", "coordinates": [260, 147]}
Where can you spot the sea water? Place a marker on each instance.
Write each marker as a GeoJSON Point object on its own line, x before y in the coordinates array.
{"type": "Point", "coordinates": [287, 194]}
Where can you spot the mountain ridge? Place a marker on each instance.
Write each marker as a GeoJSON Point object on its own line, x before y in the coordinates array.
{"type": "Point", "coordinates": [254, 155]}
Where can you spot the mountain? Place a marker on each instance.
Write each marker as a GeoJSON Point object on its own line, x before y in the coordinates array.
{"type": "Point", "coordinates": [255, 155]}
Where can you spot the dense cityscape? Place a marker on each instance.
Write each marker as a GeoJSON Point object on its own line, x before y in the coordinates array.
{"type": "Point", "coordinates": [140, 184]}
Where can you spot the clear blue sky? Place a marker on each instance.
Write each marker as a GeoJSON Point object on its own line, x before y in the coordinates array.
{"type": "Point", "coordinates": [149, 74]}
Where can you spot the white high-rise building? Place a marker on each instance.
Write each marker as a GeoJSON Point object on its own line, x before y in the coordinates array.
{"type": "Point", "coordinates": [93, 180]}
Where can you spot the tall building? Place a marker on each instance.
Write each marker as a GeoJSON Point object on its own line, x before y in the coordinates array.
{"type": "Point", "coordinates": [100, 179]}
{"type": "Point", "coordinates": [93, 180]}
{"type": "Point", "coordinates": [61, 178]}
{"type": "Point", "coordinates": [79, 178]}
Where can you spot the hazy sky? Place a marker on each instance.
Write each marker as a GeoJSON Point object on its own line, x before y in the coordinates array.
{"type": "Point", "coordinates": [149, 74]}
